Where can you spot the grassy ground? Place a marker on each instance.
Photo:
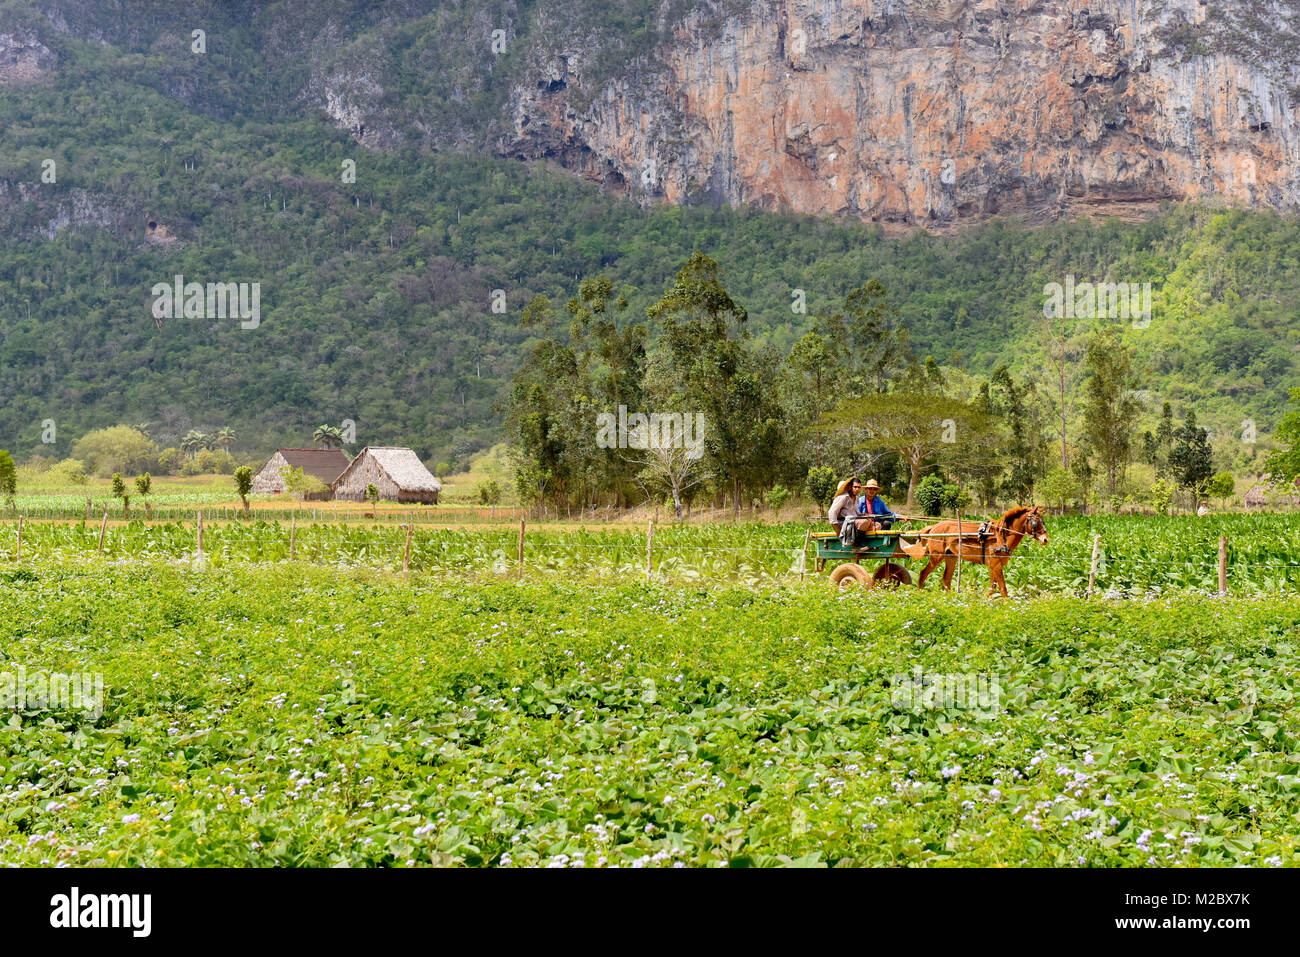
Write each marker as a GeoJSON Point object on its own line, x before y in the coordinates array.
{"type": "Point", "coordinates": [312, 716]}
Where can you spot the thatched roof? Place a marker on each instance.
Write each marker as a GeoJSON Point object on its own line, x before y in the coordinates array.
{"type": "Point", "coordinates": [402, 466]}
{"type": "Point", "coordinates": [323, 464]}
{"type": "Point", "coordinates": [1256, 496]}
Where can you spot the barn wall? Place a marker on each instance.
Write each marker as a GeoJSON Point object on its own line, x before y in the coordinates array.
{"type": "Point", "coordinates": [365, 471]}
{"type": "Point", "coordinates": [269, 480]}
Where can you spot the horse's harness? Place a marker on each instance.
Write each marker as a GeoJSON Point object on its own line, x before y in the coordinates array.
{"type": "Point", "coordinates": [985, 532]}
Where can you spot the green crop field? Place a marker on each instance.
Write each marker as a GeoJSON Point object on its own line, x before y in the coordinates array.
{"type": "Point", "coordinates": [1138, 555]}
{"type": "Point", "coordinates": [310, 714]}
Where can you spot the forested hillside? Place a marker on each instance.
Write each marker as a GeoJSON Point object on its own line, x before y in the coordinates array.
{"type": "Point", "coordinates": [377, 295]}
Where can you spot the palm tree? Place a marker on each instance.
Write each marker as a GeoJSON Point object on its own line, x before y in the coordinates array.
{"type": "Point", "coordinates": [329, 437]}
{"type": "Point", "coordinates": [225, 438]}
{"type": "Point", "coordinates": [193, 441]}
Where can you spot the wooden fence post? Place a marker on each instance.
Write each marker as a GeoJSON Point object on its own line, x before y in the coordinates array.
{"type": "Point", "coordinates": [649, 550]}
{"type": "Point", "coordinates": [522, 522]}
{"type": "Point", "coordinates": [102, 526]}
{"type": "Point", "coordinates": [959, 545]}
{"type": "Point", "coordinates": [406, 558]}
{"type": "Point", "coordinates": [1223, 567]}
{"type": "Point", "coordinates": [293, 533]}
{"type": "Point", "coordinates": [803, 556]}
{"type": "Point", "coordinates": [1092, 567]}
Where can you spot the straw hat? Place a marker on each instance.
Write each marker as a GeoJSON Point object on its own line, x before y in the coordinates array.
{"type": "Point", "coordinates": [872, 485]}
{"type": "Point", "coordinates": [844, 486]}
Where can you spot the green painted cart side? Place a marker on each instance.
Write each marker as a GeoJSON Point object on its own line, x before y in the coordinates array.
{"type": "Point", "coordinates": [847, 563]}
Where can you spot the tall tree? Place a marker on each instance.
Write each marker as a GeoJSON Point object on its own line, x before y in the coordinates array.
{"type": "Point", "coordinates": [1191, 462]}
{"type": "Point", "coordinates": [918, 426]}
{"type": "Point", "coordinates": [1012, 403]}
{"type": "Point", "coordinates": [1060, 365]}
{"type": "Point", "coordinates": [703, 364]}
{"type": "Point", "coordinates": [1109, 408]}
{"type": "Point", "coordinates": [868, 337]}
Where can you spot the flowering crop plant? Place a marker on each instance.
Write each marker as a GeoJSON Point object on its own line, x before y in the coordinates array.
{"type": "Point", "coordinates": [306, 715]}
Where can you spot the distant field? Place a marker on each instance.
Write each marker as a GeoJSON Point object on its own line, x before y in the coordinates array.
{"type": "Point", "coordinates": [292, 715]}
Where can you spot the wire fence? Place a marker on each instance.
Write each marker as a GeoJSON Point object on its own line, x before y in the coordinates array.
{"type": "Point", "coordinates": [686, 554]}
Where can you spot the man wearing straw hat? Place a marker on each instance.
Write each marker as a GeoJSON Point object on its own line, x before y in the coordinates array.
{"type": "Point", "coordinates": [847, 507]}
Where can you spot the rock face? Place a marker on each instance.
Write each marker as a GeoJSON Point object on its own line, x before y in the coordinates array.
{"type": "Point", "coordinates": [929, 113]}
{"type": "Point", "coordinates": [23, 58]}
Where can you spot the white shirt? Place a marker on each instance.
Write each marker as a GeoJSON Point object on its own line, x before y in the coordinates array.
{"type": "Point", "coordinates": [843, 507]}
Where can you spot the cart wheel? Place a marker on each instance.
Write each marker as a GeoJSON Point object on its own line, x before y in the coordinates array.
{"type": "Point", "coordinates": [850, 575]}
{"type": "Point", "coordinates": [891, 575]}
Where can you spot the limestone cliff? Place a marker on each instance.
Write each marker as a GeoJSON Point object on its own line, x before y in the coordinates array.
{"type": "Point", "coordinates": [925, 112]}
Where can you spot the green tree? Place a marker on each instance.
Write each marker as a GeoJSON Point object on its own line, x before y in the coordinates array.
{"type": "Point", "coordinates": [226, 438]}
{"type": "Point", "coordinates": [868, 338]}
{"type": "Point", "coordinates": [1221, 486]}
{"type": "Point", "coordinates": [777, 496]}
{"type": "Point", "coordinates": [372, 495]}
{"type": "Point", "coordinates": [194, 442]}
{"type": "Point", "coordinates": [1163, 443]}
{"type": "Point", "coordinates": [8, 478]}
{"type": "Point", "coordinates": [1284, 464]}
{"type": "Point", "coordinates": [1109, 408]}
{"type": "Point", "coordinates": [1025, 450]}
{"type": "Point", "coordinates": [810, 365]}
{"type": "Point", "coordinates": [119, 491]}
{"type": "Point", "coordinates": [701, 361]}
{"type": "Point", "coordinates": [1191, 463]}
{"type": "Point", "coordinates": [929, 495]}
{"type": "Point", "coordinates": [328, 437]}
{"type": "Point", "coordinates": [1161, 496]}
{"type": "Point", "coordinates": [243, 484]}
{"type": "Point", "coordinates": [918, 426]}
{"type": "Point", "coordinates": [144, 485]}
{"type": "Point", "coordinates": [117, 449]}
{"type": "Point", "coordinates": [1057, 487]}
{"type": "Point", "coordinates": [300, 483]}
{"type": "Point", "coordinates": [489, 494]}
{"type": "Point", "coordinates": [819, 485]}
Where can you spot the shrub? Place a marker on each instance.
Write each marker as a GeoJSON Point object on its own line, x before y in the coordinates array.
{"type": "Point", "coordinates": [72, 471]}
{"type": "Point", "coordinates": [1162, 496]}
{"type": "Point", "coordinates": [777, 496]}
{"type": "Point", "coordinates": [929, 495]}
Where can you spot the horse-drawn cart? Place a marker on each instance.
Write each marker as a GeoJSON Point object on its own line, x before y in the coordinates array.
{"type": "Point", "coordinates": [945, 543]}
{"type": "Point", "coordinates": [849, 562]}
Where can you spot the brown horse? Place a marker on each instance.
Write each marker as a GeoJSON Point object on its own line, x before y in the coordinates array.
{"type": "Point", "coordinates": [994, 552]}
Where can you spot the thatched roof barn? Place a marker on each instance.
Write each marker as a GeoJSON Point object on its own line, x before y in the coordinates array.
{"type": "Point", "coordinates": [399, 475]}
{"type": "Point", "coordinates": [1257, 498]}
{"type": "Point", "coordinates": [323, 464]}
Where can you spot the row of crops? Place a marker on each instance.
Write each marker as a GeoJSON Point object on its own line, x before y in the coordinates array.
{"type": "Point", "coordinates": [1137, 554]}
